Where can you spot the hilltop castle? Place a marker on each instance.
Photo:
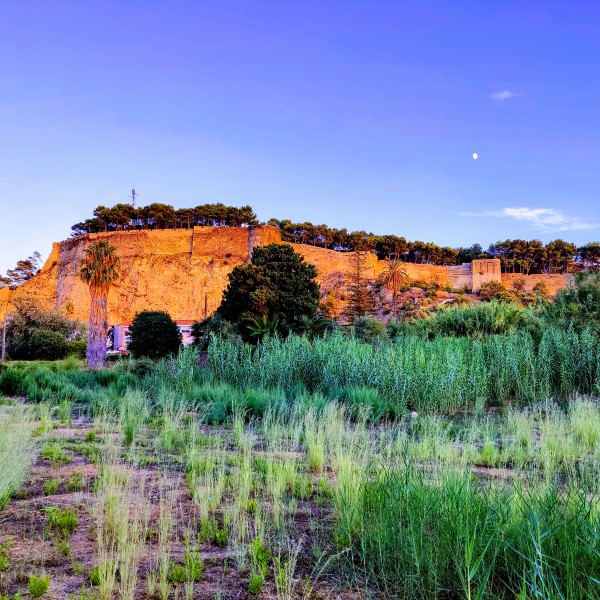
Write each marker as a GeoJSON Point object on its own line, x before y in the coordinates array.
{"type": "Point", "coordinates": [184, 271]}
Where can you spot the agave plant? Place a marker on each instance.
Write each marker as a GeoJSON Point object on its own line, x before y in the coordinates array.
{"type": "Point", "coordinates": [263, 325]}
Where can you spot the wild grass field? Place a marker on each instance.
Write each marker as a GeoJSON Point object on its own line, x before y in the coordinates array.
{"type": "Point", "coordinates": [425, 466]}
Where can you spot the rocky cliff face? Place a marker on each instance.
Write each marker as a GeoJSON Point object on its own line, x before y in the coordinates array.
{"type": "Point", "coordinates": [181, 271]}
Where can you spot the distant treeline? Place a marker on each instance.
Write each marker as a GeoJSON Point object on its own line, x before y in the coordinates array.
{"type": "Point", "coordinates": [516, 256]}
{"type": "Point", "coordinates": [163, 216]}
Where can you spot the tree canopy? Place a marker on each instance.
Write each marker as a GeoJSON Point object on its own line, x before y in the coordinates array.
{"type": "Point", "coordinates": [516, 256]}
{"type": "Point", "coordinates": [276, 291]}
{"type": "Point", "coordinates": [25, 270]}
{"type": "Point", "coordinates": [163, 216]}
{"type": "Point", "coordinates": [100, 265]}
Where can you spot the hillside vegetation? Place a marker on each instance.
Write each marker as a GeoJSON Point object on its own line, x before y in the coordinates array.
{"type": "Point", "coordinates": [516, 256]}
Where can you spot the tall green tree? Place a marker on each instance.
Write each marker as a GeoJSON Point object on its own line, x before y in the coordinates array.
{"type": "Point", "coordinates": [590, 255]}
{"type": "Point", "coordinates": [393, 277]}
{"type": "Point", "coordinates": [100, 270]}
{"type": "Point", "coordinates": [362, 301]}
{"type": "Point", "coordinates": [277, 287]}
{"type": "Point", "coordinates": [559, 254]}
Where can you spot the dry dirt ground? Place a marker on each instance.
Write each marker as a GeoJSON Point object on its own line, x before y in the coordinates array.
{"type": "Point", "coordinates": [34, 549]}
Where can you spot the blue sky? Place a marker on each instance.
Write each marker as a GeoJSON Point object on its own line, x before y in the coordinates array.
{"type": "Point", "coordinates": [362, 115]}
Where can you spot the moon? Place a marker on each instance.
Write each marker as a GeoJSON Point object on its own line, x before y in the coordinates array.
{"type": "Point", "coordinates": [475, 156]}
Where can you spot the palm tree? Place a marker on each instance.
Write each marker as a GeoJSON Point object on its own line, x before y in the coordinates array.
{"type": "Point", "coordinates": [393, 276]}
{"type": "Point", "coordinates": [99, 269]}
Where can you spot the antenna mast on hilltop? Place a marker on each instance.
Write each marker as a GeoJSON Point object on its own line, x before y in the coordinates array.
{"type": "Point", "coordinates": [133, 196]}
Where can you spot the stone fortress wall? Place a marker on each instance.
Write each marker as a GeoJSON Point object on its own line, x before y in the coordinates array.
{"type": "Point", "coordinates": [184, 271]}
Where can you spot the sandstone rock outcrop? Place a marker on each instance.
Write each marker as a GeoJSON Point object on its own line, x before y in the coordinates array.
{"type": "Point", "coordinates": [182, 271]}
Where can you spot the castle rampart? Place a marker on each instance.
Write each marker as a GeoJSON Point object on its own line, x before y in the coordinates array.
{"type": "Point", "coordinates": [185, 271]}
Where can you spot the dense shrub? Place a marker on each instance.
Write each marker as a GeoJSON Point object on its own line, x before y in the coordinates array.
{"type": "Point", "coordinates": [47, 345]}
{"type": "Point", "coordinates": [141, 367]}
{"type": "Point", "coordinates": [153, 334]}
{"type": "Point", "coordinates": [276, 292]}
{"type": "Point", "coordinates": [202, 330]}
{"type": "Point", "coordinates": [444, 374]}
{"type": "Point", "coordinates": [76, 348]}
{"type": "Point", "coordinates": [29, 318]}
{"type": "Point", "coordinates": [12, 382]}
{"type": "Point", "coordinates": [495, 290]}
{"type": "Point", "coordinates": [578, 306]}
{"type": "Point", "coordinates": [455, 369]}
{"type": "Point", "coordinates": [369, 329]}
{"type": "Point", "coordinates": [478, 321]}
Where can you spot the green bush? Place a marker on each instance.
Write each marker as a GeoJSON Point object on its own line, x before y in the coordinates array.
{"type": "Point", "coordinates": [221, 538]}
{"type": "Point", "coordinates": [55, 453]}
{"type": "Point", "coordinates": [5, 554]}
{"type": "Point", "coordinates": [76, 348]}
{"type": "Point", "coordinates": [61, 520]}
{"type": "Point", "coordinates": [141, 367]}
{"type": "Point", "coordinates": [47, 345]}
{"type": "Point", "coordinates": [260, 556]}
{"type": "Point", "coordinates": [94, 576]}
{"type": "Point", "coordinates": [12, 382]}
{"type": "Point", "coordinates": [257, 401]}
{"type": "Point", "coordinates": [51, 487]}
{"type": "Point", "coordinates": [256, 583]}
{"type": "Point", "coordinates": [177, 573]}
{"type": "Point", "coordinates": [38, 586]}
{"type": "Point", "coordinates": [477, 321]}
{"type": "Point", "coordinates": [577, 306]}
{"type": "Point", "coordinates": [153, 334]}
{"type": "Point", "coordinates": [76, 482]}
{"type": "Point", "coordinates": [24, 338]}
{"type": "Point", "coordinates": [192, 561]}
{"type": "Point", "coordinates": [495, 290]}
{"type": "Point", "coordinates": [364, 401]}
{"type": "Point", "coordinates": [368, 329]}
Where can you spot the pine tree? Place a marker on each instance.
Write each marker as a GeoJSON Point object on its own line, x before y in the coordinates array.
{"type": "Point", "coordinates": [362, 301]}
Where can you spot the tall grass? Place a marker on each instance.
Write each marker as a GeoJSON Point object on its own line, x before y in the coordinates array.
{"type": "Point", "coordinates": [410, 373]}
{"type": "Point", "coordinates": [447, 536]}
{"type": "Point", "coordinates": [16, 452]}
{"type": "Point", "coordinates": [441, 375]}
{"type": "Point", "coordinates": [121, 513]}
